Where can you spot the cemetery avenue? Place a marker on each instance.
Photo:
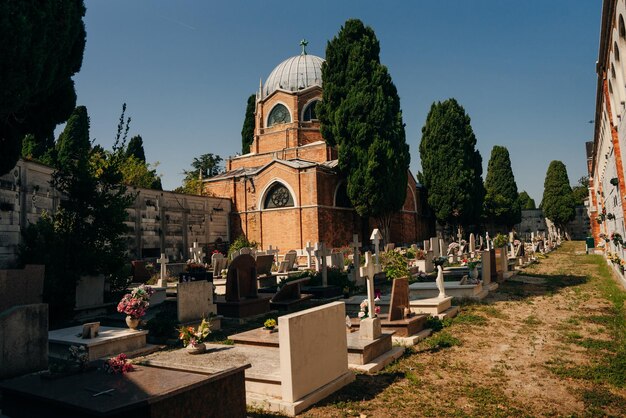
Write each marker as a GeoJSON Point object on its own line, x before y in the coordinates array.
{"type": "Point", "coordinates": [551, 342]}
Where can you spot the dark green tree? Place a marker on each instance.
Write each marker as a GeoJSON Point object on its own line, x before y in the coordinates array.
{"type": "Point", "coordinates": [135, 148]}
{"type": "Point", "coordinates": [207, 165]}
{"type": "Point", "coordinates": [85, 235]}
{"type": "Point", "coordinates": [501, 204]}
{"type": "Point", "coordinates": [41, 49]}
{"type": "Point", "coordinates": [451, 165]}
{"type": "Point", "coordinates": [526, 202]}
{"type": "Point", "coordinates": [558, 203]}
{"type": "Point", "coordinates": [247, 131]}
{"type": "Point", "coordinates": [581, 191]}
{"type": "Point", "coordinates": [73, 143]}
{"type": "Point", "coordinates": [360, 114]}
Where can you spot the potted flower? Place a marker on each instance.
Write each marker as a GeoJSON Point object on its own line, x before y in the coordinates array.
{"type": "Point", "coordinates": [193, 338]}
{"type": "Point", "coordinates": [193, 271]}
{"type": "Point", "coordinates": [135, 304]}
{"type": "Point", "coordinates": [364, 312]}
{"type": "Point", "coordinates": [610, 216]}
{"type": "Point", "coordinates": [614, 181]}
{"type": "Point", "coordinates": [617, 239]}
{"type": "Point", "coordinates": [270, 324]}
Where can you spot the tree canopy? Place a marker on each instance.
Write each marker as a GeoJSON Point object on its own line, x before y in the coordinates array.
{"type": "Point", "coordinates": [85, 235]}
{"type": "Point", "coordinates": [42, 48]}
{"type": "Point", "coordinates": [558, 203]}
{"type": "Point", "coordinates": [135, 148]}
{"type": "Point", "coordinates": [580, 192]}
{"type": "Point", "coordinates": [501, 204]}
{"type": "Point", "coordinates": [205, 166]}
{"type": "Point", "coordinates": [526, 202]}
{"type": "Point", "coordinates": [247, 131]}
{"type": "Point", "coordinates": [451, 165]}
{"type": "Point", "coordinates": [360, 113]}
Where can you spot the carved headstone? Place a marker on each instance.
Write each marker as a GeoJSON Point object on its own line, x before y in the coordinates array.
{"type": "Point", "coordinates": [399, 299]}
{"type": "Point", "coordinates": [241, 280]}
{"type": "Point", "coordinates": [264, 265]}
{"type": "Point", "coordinates": [90, 330]}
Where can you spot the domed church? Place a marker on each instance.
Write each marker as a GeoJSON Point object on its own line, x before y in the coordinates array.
{"type": "Point", "coordinates": [288, 189]}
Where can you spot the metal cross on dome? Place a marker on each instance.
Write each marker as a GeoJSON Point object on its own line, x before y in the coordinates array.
{"type": "Point", "coordinates": [303, 44]}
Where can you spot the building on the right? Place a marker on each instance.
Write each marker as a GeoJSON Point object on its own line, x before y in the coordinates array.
{"type": "Point", "coordinates": [605, 163]}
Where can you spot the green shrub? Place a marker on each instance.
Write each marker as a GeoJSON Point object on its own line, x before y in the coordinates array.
{"type": "Point", "coordinates": [241, 242]}
{"type": "Point", "coordinates": [442, 340]}
{"type": "Point", "coordinates": [394, 265]}
{"type": "Point", "coordinates": [163, 325]}
{"type": "Point", "coordinates": [500, 241]}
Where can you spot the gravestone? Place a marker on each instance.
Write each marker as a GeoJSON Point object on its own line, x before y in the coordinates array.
{"type": "Point", "coordinates": [376, 237]}
{"type": "Point", "coordinates": [390, 247]}
{"type": "Point", "coordinates": [139, 272]}
{"type": "Point", "coordinates": [194, 301]}
{"type": "Point", "coordinates": [291, 257]}
{"type": "Point", "coordinates": [336, 260]}
{"type": "Point", "coordinates": [434, 246]}
{"type": "Point", "coordinates": [90, 330]}
{"type": "Point", "coordinates": [320, 261]}
{"type": "Point", "coordinates": [23, 322]}
{"type": "Point", "coordinates": [264, 265]}
{"type": "Point", "coordinates": [289, 295]}
{"type": "Point", "coordinates": [426, 245]}
{"type": "Point", "coordinates": [90, 296]}
{"type": "Point", "coordinates": [241, 298]}
{"type": "Point", "coordinates": [197, 253]}
{"type": "Point", "coordinates": [472, 244]}
{"type": "Point", "coordinates": [309, 252]}
{"type": "Point", "coordinates": [163, 277]}
{"type": "Point", "coordinates": [399, 299]}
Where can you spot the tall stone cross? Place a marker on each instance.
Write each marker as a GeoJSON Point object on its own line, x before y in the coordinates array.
{"type": "Point", "coordinates": [163, 262]}
{"type": "Point", "coordinates": [371, 303]}
{"type": "Point", "coordinates": [197, 253]}
{"type": "Point", "coordinates": [356, 248]}
{"type": "Point", "coordinates": [376, 237]}
{"type": "Point", "coordinates": [320, 261]}
{"type": "Point", "coordinates": [459, 235]}
{"type": "Point", "coordinates": [309, 250]}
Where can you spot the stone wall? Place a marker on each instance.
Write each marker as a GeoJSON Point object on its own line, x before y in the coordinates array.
{"type": "Point", "coordinates": [157, 220]}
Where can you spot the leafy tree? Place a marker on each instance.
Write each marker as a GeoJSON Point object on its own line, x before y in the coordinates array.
{"type": "Point", "coordinates": [501, 203]}
{"type": "Point", "coordinates": [74, 143]}
{"type": "Point", "coordinates": [451, 165]}
{"type": "Point", "coordinates": [558, 202]}
{"type": "Point", "coordinates": [526, 202]}
{"type": "Point", "coordinates": [42, 48]}
{"type": "Point", "coordinates": [360, 114]}
{"type": "Point", "coordinates": [207, 165]}
{"type": "Point", "coordinates": [85, 235]}
{"type": "Point", "coordinates": [247, 131]}
{"type": "Point", "coordinates": [135, 148]}
{"type": "Point", "coordinates": [581, 191]}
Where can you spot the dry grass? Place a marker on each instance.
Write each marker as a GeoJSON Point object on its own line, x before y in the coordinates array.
{"type": "Point", "coordinates": [551, 347]}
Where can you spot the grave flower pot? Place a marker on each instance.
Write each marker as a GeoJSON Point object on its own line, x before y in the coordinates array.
{"type": "Point", "coordinates": [474, 273]}
{"type": "Point", "coordinates": [132, 323]}
{"type": "Point", "coordinates": [196, 349]}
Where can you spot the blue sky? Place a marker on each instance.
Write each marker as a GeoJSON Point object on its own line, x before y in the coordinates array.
{"type": "Point", "coordinates": [523, 70]}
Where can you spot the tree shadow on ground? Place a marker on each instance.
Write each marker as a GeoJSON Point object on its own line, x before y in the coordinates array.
{"type": "Point", "coordinates": [550, 285]}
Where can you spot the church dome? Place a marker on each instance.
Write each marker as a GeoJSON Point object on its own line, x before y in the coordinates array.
{"type": "Point", "coordinates": [294, 74]}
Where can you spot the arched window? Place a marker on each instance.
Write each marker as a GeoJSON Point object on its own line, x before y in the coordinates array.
{"type": "Point", "coordinates": [309, 112]}
{"type": "Point", "coordinates": [341, 196]}
{"type": "Point", "coordinates": [616, 51]}
{"type": "Point", "coordinates": [278, 115]}
{"type": "Point", "coordinates": [278, 196]}
{"type": "Point", "coordinates": [622, 29]}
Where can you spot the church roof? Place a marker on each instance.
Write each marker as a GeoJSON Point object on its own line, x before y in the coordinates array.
{"type": "Point", "coordinates": [253, 171]}
{"type": "Point", "coordinates": [295, 74]}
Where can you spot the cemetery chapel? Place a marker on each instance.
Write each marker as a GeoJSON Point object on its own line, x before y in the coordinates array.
{"type": "Point", "coordinates": [288, 190]}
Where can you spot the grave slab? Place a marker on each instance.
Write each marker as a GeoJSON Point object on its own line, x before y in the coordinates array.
{"type": "Point", "coordinates": [146, 392]}
{"type": "Point", "coordinates": [453, 288]}
{"type": "Point", "coordinates": [109, 342]}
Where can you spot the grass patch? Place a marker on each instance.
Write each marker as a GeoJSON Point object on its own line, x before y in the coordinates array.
{"type": "Point", "coordinates": [467, 318]}
{"type": "Point", "coordinates": [532, 321]}
{"type": "Point", "coordinates": [600, 401]}
{"type": "Point", "coordinates": [442, 340]}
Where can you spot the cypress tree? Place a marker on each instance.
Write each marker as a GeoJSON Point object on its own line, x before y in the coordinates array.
{"type": "Point", "coordinates": [501, 199]}
{"type": "Point", "coordinates": [247, 131]}
{"type": "Point", "coordinates": [451, 165]}
{"type": "Point", "coordinates": [135, 148]}
{"type": "Point", "coordinates": [42, 48]}
{"type": "Point", "coordinates": [526, 202]}
{"type": "Point", "coordinates": [73, 145]}
{"type": "Point", "coordinates": [360, 114]}
{"type": "Point", "coordinates": [558, 202]}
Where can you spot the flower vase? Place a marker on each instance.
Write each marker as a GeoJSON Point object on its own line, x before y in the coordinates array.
{"type": "Point", "coordinates": [132, 323]}
{"type": "Point", "coordinates": [474, 273]}
{"type": "Point", "coordinates": [196, 349]}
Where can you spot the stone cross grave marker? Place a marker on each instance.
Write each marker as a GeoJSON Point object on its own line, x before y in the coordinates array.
{"type": "Point", "coordinates": [459, 235]}
{"type": "Point", "coordinates": [320, 257]}
{"type": "Point", "coordinates": [356, 246]}
{"type": "Point", "coordinates": [371, 303]}
{"type": "Point", "coordinates": [163, 262]}
{"type": "Point", "coordinates": [472, 243]}
{"type": "Point", "coordinates": [434, 246]}
{"type": "Point", "coordinates": [399, 299]}
{"type": "Point", "coordinates": [309, 251]}
{"type": "Point", "coordinates": [197, 253]}
{"type": "Point", "coordinates": [272, 251]}
{"type": "Point", "coordinates": [375, 238]}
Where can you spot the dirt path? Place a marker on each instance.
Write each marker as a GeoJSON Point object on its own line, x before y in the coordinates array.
{"type": "Point", "coordinates": [550, 343]}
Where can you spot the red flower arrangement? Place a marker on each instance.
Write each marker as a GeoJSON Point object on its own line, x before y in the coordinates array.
{"type": "Point", "coordinates": [118, 365]}
{"type": "Point", "coordinates": [135, 303]}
